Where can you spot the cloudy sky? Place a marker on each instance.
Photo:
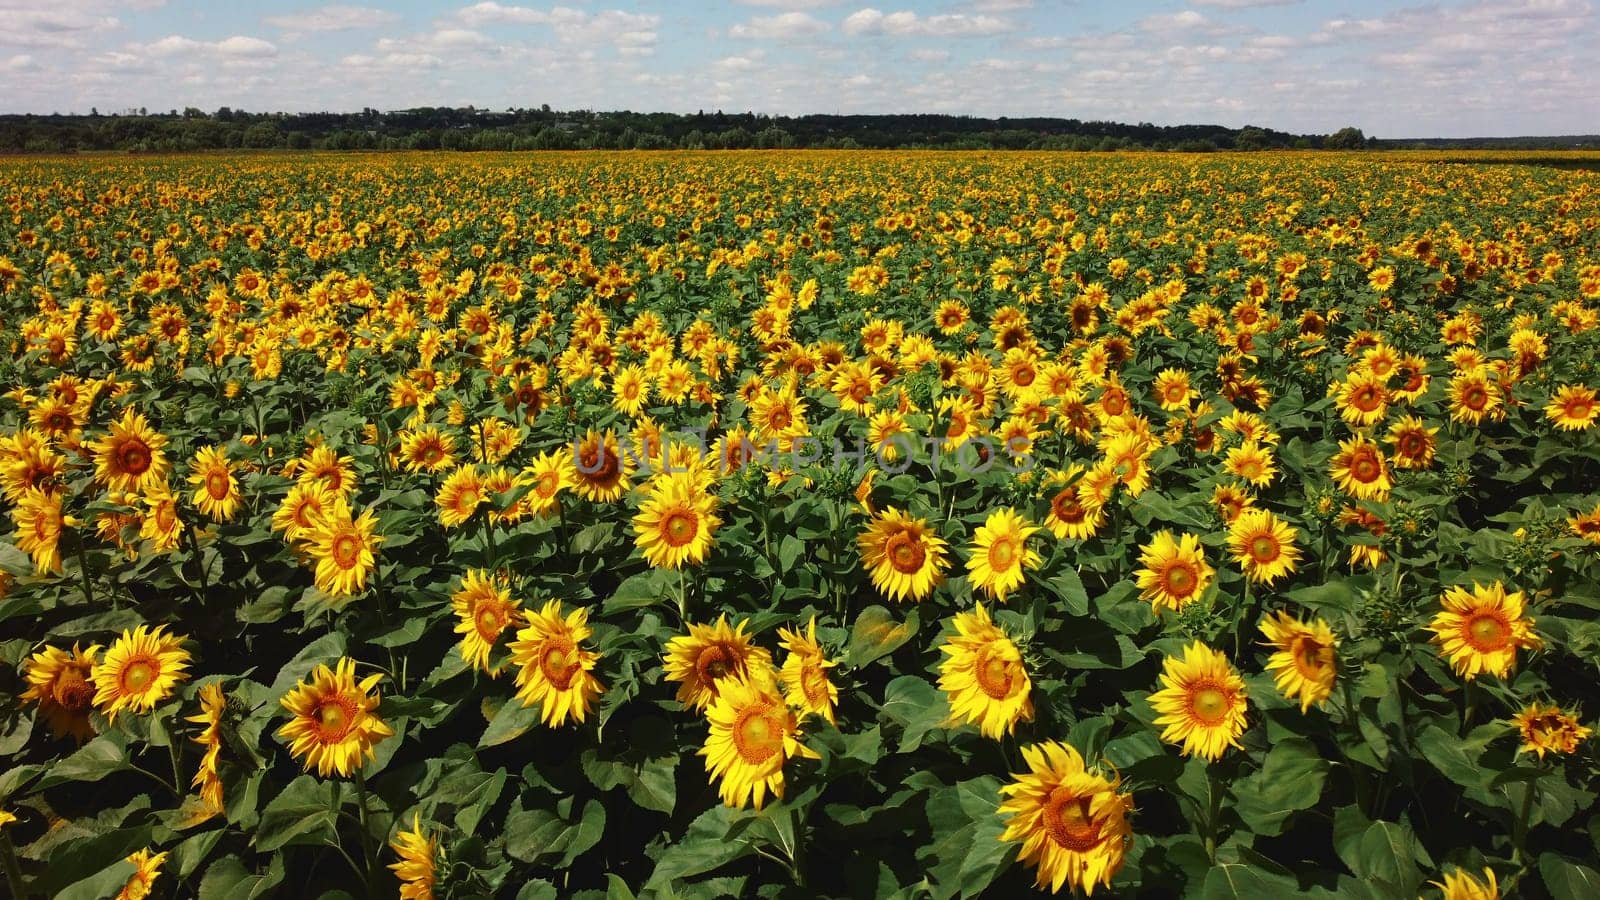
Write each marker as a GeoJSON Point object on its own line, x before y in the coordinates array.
{"type": "Point", "coordinates": [1396, 69]}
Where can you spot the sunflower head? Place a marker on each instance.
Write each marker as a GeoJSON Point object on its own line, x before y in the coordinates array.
{"type": "Point", "coordinates": [1303, 664]}
{"type": "Point", "coordinates": [1000, 553]}
{"type": "Point", "coordinates": [1202, 702]}
{"type": "Point", "coordinates": [752, 734]}
{"type": "Point", "coordinates": [62, 684]}
{"type": "Point", "coordinates": [804, 675]}
{"type": "Point", "coordinates": [1549, 729]}
{"type": "Point", "coordinates": [484, 608]}
{"type": "Point", "coordinates": [1481, 630]}
{"type": "Point", "coordinates": [1263, 545]}
{"type": "Point", "coordinates": [1175, 572]}
{"type": "Point", "coordinates": [902, 554]}
{"type": "Point", "coordinates": [554, 670]}
{"type": "Point", "coordinates": [984, 676]}
{"type": "Point", "coordinates": [333, 722]}
{"type": "Point", "coordinates": [139, 670]}
{"type": "Point", "coordinates": [708, 655]}
{"type": "Point", "coordinates": [1072, 821]}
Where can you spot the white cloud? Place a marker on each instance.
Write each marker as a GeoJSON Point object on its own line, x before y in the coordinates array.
{"type": "Point", "coordinates": [241, 46]}
{"type": "Point", "coordinates": [1242, 4]}
{"type": "Point", "coordinates": [1001, 6]}
{"type": "Point", "coordinates": [909, 23]}
{"type": "Point", "coordinates": [333, 18]}
{"type": "Point", "coordinates": [784, 25]}
{"type": "Point", "coordinates": [1187, 20]}
{"type": "Point", "coordinates": [790, 4]}
{"type": "Point", "coordinates": [55, 25]}
{"type": "Point", "coordinates": [630, 32]}
{"type": "Point", "coordinates": [929, 55]}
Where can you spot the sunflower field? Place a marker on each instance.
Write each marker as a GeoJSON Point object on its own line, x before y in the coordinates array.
{"type": "Point", "coordinates": [799, 524]}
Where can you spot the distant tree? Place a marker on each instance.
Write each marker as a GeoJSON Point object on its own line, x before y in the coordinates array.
{"type": "Point", "coordinates": [1347, 138]}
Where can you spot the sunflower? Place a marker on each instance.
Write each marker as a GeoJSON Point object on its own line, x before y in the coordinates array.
{"type": "Point", "coordinates": [139, 670]}
{"type": "Point", "coordinates": [323, 464]}
{"type": "Point", "coordinates": [333, 721]}
{"type": "Point", "coordinates": [554, 669]}
{"type": "Point", "coordinates": [1251, 462]}
{"type": "Point", "coordinates": [1175, 571]}
{"type": "Point", "coordinates": [1413, 443]}
{"type": "Point", "coordinates": [1363, 399]}
{"type": "Point", "coordinates": [676, 522]}
{"type": "Point", "coordinates": [459, 496]}
{"type": "Point", "coordinates": [1302, 663]}
{"type": "Point", "coordinates": [1000, 553]}
{"type": "Point", "coordinates": [147, 868]}
{"type": "Point", "coordinates": [1263, 545]}
{"type": "Point", "coordinates": [1072, 822]}
{"type": "Point", "coordinates": [484, 607]}
{"type": "Point", "coordinates": [1073, 514]}
{"type": "Point", "coordinates": [551, 473]}
{"type": "Point", "coordinates": [600, 468]}
{"type": "Point", "coordinates": [302, 508]}
{"type": "Point", "coordinates": [1202, 703]}
{"type": "Point", "coordinates": [1458, 885]}
{"type": "Point", "coordinates": [62, 684]}
{"type": "Point", "coordinates": [130, 456]}
{"type": "Point", "coordinates": [1230, 500]}
{"type": "Point", "coordinates": [1481, 631]}
{"type": "Point", "coordinates": [1586, 525]}
{"type": "Point", "coordinates": [418, 852]}
{"type": "Point", "coordinates": [753, 733]}
{"type": "Point", "coordinates": [1473, 396]}
{"type": "Point", "coordinates": [344, 549]}
{"type": "Point", "coordinates": [804, 675]}
{"type": "Point", "coordinates": [1547, 729]}
{"type": "Point", "coordinates": [39, 525]}
{"type": "Point", "coordinates": [216, 489]}
{"type": "Point", "coordinates": [1360, 471]}
{"type": "Point", "coordinates": [903, 555]}
{"type": "Point", "coordinates": [951, 316]}
{"type": "Point", "coordinates": [709, 655]}
{"type": "Point", "coordinates": [984, 677]}
{"type": "Point", "coordinates": [1172, 390]}
{"type": "Point", "coordinates": [427, 449]}
{"type": "Point", "coordinates": [1573, 408]}
{"type": "Point", "coordinates": [212, 706]}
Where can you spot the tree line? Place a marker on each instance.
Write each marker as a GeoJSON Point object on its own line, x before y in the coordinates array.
{"type": "Point", "coordinates": [469, 128]}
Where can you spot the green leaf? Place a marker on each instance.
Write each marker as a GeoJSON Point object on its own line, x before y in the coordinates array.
{"type": "Point", "coordinates": [306, 812]}
{"type": "Point", "coordinates": [538, 890]}
{"type": "Point", "coordinates": [1066, 585]}
{"type": "Point", "coordinates": [1238, 881]}
{"type": "Point", "coordinates": [510, 722]}
{"type": "Point", "coordinates": [966, 854]}
{"type": "Point", "coordinates": [94, 760]}
{"type": "Point", "coordinates": [704, 847]}
{"type": "Point", "coordinates": [1290, 779]}
{"type": "Point", "coordinates": [645, 764]}
{"type": "Point", "coordinates": [1390, 852]}
{"type": "Point", "coordinates": [876, 634]}
{"type": "Point", "coordinates": [554, 835]}
{"type": "Point", "coordinates": [644, 589]}
{"type": "Point", "coordinates": [1568, 880]}
{"type": "Point", "coordinates": [472, 794]}
{"type": "Point", "coordinates": [917, 706]}
{"type": "Point", "coordinates": [228, 879]}
{"type": "Point", "coordinates": [105, 883]}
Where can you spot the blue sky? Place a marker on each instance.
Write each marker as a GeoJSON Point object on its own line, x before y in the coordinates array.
{"type": "Point", "coordinates": [1395, 69]}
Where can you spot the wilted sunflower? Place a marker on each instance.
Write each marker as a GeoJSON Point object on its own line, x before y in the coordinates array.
{"type": "Point", "coordinates": [1202, 703]}
{"type": "Point", "coordinates": [709, 655]}
{"type": "Point", "coordinates": [216, 490]}
{"type": "Point", "coordinates": [676, 522]}
{"type": "Point", "coordinates": [484, 607]}
{"type": "Point", "coordinates": [147, 868]}
{"type": "Point", "coordinates": [1360, 471]}
{"type": "Point", "coordinates": [1263, 545]}
{"type": "Point", "coordinates": [903, 555]}
{"type": "Point", "coordinates": [1303, 665]}
{"type": "Point", "coordinates": [805, 673]}
{"type": "Point", "coordinates": [39, 522]}
{"type": "Point", "coordinates": [1548, 729]}
{"type": "Point", "coordinates": [62, 684]}
{"type": "Point", "coordinates": [984, 676]}
{"type": "Point", "coordinates": [344, 549]}
{"type": "Point", "coordinates": [1458, 885]}
{"type": "Point", "coordinates": [1481, 631]}
{"type": "Point", "coordinates": [1175, 571]}
{"type": "Point", "coordinates": [130, 456]}
{"type": "Point", "coordinates": [333, 721]}
{"type": "Point", "coordinates": [1072, 822]}
{"type": "Point", "coordinates": [554, 669]}
{"type": "Point", "coordinates": [1574, 407]}
{"type": "Point", "coordinates": [753, 733]}
{"type": "Point", "coordinates": [418, 851]}
{"type": "Point", "coordinates": [139, 670]}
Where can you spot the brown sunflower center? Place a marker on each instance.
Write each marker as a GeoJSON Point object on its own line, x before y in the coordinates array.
{"type": "Point", "coordinates": [217, 484]}
{"type": "Point", "coordinates": [73, 690]}
{"type": "Point", "coordinates": [679, 527]}
{"type": "Point", "coordinates": [757, 734]}
{"type": "Point", "coordinates": [1067, 507]}
{"type": "Point", "coordinates": [139, 674]}
{"type": "Point", "coordinates": [905, 552]}
{"type": "Point", "coordinates": [334, 717]}
{"type": "Point", "coordinates": [1474, 397]}
{"type": "Point", "coordinates": [1181, 579]}
{"type": "Point", "coordinates": [134, 456]}
{"type": "Point", "coordinates": [346, 550]}
{"type": "Point", "coordinates": [1264, 549]}
{"type": "Point", "coordinates": [995, 673]}
{"type": "Point", "coordinates": [1364, 468]}
{"type": "Point", "coordinates": [599, 465]}
{"type": "Point", "coordinates": [1209, 705]}
{"type": "Point", "coordinates": [559, 662]}
{"type": "Point", "coordinates": [1487, 631]}
{"type": "Point", "coordinates": [1307, 655]}
{"type": "Point", "coordinates": [1068, 821]}
{"type": "Point", "coordinates": [489, 622]}
{"type": "Point", "coordinates": [715, 662]}
{"type": "Point", "coordinates": [1413, 444]}
{"type": "Point", "coordinates": [1579, 408]}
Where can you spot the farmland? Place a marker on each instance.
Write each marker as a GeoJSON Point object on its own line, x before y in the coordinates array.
{"type": "Point", "coordinates": [799, 523]}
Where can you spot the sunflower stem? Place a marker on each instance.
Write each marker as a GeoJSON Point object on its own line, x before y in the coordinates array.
{"type": "Point", "coordinates": [1519, 828]}
{"type": "Point", "coordinates": [83, 569]}
{"type": "Point", "coordinates": [368, 855]}
{"type": "Point", "coordinates": [683, 597]}
{"type": "Point", "coordinates": [8, 857]}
